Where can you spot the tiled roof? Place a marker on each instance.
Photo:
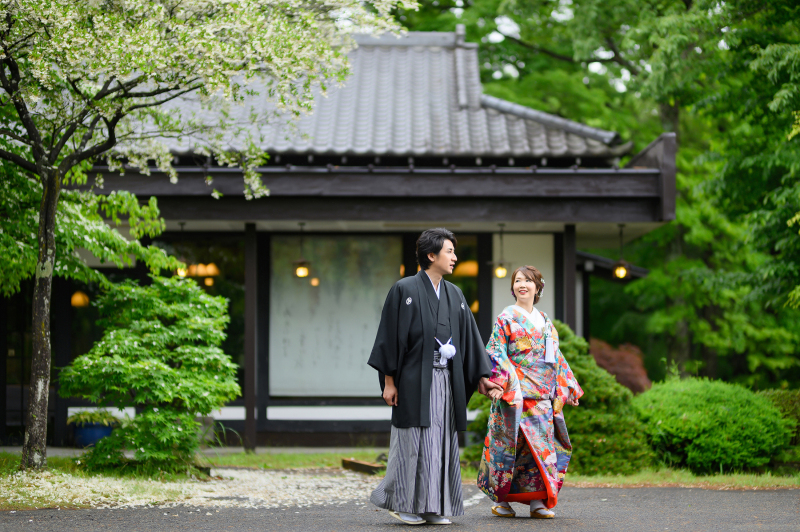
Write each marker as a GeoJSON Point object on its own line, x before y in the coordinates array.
{"type": "Point", "coordinates": [421, 95]}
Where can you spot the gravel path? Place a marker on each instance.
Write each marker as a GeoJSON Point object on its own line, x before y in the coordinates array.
{"type": "Point", "coordinates": [326, 501]}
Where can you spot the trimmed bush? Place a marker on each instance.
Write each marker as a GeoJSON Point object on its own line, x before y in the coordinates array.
{"type": "Point", "coordinates": [788, 402]}
{"type": "Point", "coordinates": [712, 426]}
{"type": "Point", "coordinates": [160, 353]}
{"type": "Point", "coordinates": [606, 435]}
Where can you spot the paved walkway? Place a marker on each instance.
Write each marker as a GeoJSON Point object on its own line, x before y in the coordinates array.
{"type": "Point", "coordinates": [579, 510]}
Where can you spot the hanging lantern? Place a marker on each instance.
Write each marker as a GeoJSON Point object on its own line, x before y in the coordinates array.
{"type": "Point", "coordinates": [501, 267]}
{"type": "Point", "coordinates": [621, 267]}
{"type": "Point", "coordinates": [315, 281]}
{"type": "Point", "coordinates": [79, 299]}
{"type": "Point", "coordinates": [301, 267]}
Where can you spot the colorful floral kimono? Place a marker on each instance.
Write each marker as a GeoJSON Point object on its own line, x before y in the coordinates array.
{"type": "Point", "coordinates": [527, 448]}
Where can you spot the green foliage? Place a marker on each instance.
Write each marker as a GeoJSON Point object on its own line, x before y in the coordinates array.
{"type": "Point", "coordinates": [89, 417]}
{"type": "Point", "coordinates": [788, 402]}
{"type": "Point", "coordinates": [85, 220]}
{"type": "Point", "coordinates": [712, 426]}
{"type": "Point", "coordinates": [160, 353]}
{"type": "Point", "coordinates": [606, 436]}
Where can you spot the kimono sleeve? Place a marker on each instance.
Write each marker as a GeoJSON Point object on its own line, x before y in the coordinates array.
{"type": "Point", "coordinates": [386, 352]}
{"type": "Point", "coordinates": [503, 371]}
{"type": "Point", "coordinates": [566, 384]}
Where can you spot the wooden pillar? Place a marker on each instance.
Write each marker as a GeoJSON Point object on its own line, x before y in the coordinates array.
{"type": "Point", "coordinates": [250, 335]}
{"type": "Point", "coordinates": [570, 251]}
{"type": "Point", "coordinates": [410, 254]}
{"type": "Point", "coordinates": [587, 308]}
{"type": "Point", "coordinates": [558, 289]}
{"type": "Point", "coordinates": [262, 318]}
{"type": "Point", "coordinates": [3, 366]}
{"type": "Point", "coordinates": [62, 351]}
{"type": "Point", "coordinates": [485, 317]}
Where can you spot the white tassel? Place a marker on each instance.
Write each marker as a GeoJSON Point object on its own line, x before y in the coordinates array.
{"type": "Point", "coordinates": [550, 351]}
{"type": "Point", "coordinates": [446, 351]}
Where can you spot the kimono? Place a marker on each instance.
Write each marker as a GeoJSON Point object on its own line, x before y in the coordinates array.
{"type": "Point", "coordinates": [406, 342]}
{"type": "Point", "coordinates": [527, 449]}
{"type": "Point", "coordinates": [423, 474]}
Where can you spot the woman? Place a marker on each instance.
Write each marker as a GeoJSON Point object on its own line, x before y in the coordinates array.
{"type": "Point", "coordinates": [527, 449]}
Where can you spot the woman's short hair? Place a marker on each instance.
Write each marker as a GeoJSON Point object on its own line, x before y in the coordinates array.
{"type": "Point", "coordinates": [532, 274]}
{"type": "Point", "coordinates": [431, 241]}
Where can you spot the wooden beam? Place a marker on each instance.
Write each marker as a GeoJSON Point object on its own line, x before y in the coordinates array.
{"type": "Point", "coordinates": [570, 314]}
{"type": "Point", "coordinates": [250, 333]}
{"type": "Point", "coordinates": [553, 184]}
{"type": "Point", "coordinates": [619, 210]}
{"type": "Point", "coordinates": [660, 154]}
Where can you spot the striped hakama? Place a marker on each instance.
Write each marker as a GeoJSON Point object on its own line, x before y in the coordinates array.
{"type": "Point", "coordinates": [423, 474]}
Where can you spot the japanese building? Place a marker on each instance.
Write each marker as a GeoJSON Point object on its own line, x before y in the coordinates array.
{"type": "Point", "coordinates": [409, 142]}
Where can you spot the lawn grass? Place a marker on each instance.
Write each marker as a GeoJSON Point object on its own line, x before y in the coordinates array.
{"type": "Point", "coordinates": [685, 479]}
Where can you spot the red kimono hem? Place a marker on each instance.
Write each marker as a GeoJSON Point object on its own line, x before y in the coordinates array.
{"type": "Point", "coordinates": [551, 499]}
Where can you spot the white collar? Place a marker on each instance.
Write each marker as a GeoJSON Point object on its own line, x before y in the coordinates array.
{"type": "Point", "coordinates": [535, 317]}
{"type": "Point", "coordinates": [435, 288]}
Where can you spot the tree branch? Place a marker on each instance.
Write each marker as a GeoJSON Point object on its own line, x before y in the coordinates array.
{"type": "Point", "coordinates": [11, 87]}
{"type": "Point", "coordinates": [618, 58]}
{"type": "Point", "coordinates": [556, 55]}
{"type": "Point", "coordinates": [78, 157]}
{"type": "Point", "coordinates": [165, 100]}
{"type": "Point", "coordinates": [9, 133]}
{"type": "Point", "coordinates": [19, 161]}
{"type": "Point", "coordinates": [156, 92]}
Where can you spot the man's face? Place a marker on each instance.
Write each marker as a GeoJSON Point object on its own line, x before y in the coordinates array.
{"type": "Point", "coordinates": [445, 261]}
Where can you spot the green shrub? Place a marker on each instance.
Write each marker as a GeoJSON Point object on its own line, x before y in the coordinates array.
{"type": "Point", "coordinates": [712, 426]}
{"type": "Point", "coordinates": [606, 435]}
{"type": "Point", "coordinates": [88, 417]}
{"type": "Point", "coordinates": [160, 353]}
{"type": "Point", "coordinates": [788, 402]}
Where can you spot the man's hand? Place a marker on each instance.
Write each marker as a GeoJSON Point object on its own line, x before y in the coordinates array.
{"type": "Point", "coordinates": [390, 392]}
{"type": "Point", "coordinates": [490, 389]}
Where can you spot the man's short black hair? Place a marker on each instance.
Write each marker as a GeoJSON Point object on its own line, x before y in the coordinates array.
{"type": "Point", "coordinates": [431, 241]}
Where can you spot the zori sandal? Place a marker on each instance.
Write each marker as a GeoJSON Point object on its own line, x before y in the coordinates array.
{"type": "Point", "coordinates": [542, 513]}
{"type": "Point", "coordinates": [503, 511]}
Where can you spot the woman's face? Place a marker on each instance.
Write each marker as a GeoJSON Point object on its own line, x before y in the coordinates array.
{"type": "Point", "coordinates": [524, 289]}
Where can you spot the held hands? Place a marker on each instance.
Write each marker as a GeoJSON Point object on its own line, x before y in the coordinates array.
{"type": "Point", "coordinates": [573, 401]}
{"type": "Point", "coordinates": [490, 389]}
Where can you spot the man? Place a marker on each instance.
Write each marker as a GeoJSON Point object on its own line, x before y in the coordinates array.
{"type": "Point", "coordinates": [430, 359]}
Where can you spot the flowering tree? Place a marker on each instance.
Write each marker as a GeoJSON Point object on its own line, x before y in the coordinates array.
{"type": "Point", "coordinates": [85, 79]}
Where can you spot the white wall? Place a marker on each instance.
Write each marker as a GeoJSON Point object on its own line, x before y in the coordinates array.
{"type": "Point", "coordinates": [520, 250]}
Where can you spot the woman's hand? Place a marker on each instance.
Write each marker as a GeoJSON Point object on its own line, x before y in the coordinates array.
{"type": "Point", "coordinates": [573, 401]}
{"type": "Point", "coordinates": [390, 391]}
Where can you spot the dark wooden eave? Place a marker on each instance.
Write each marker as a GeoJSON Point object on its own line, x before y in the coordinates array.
{"type": "Point", "coordinates": [642, 193]}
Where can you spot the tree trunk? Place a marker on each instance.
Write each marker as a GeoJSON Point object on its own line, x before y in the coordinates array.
{"type": "Point", "coordinates": [34, 449]}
